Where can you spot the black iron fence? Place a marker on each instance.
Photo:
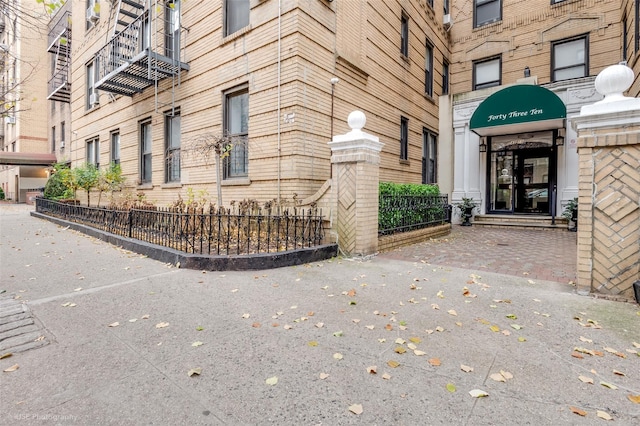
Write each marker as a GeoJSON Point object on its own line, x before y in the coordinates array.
{"type": "Point", "coordinates": [402, 213]}
{"type": "Point", "coordinates": [218, 231]}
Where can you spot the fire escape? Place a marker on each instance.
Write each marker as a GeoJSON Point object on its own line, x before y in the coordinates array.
{"type": "Point", "coordinates": [59, 87]}
{"type": "Point", "coordinates": [144, 47]}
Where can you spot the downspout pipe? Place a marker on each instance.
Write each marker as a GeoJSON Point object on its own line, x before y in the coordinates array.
{"type": "Point", "coordinates": [279, 96]}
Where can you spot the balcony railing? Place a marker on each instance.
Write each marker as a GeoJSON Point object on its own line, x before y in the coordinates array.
{"type": "Point", "coordinates": [127, 64]}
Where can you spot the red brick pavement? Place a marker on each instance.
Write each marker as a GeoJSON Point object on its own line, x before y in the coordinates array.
{"type": "Point", "coordinates": [542, 254]}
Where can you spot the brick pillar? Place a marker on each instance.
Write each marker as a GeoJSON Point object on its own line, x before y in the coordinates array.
{"type": "Point", "coordinates": [355, 159]}
{"type": "Point", "coordinates": [609, 188]}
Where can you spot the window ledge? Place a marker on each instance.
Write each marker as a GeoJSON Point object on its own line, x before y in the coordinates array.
{"type": "Point", "coordinates": [144, 186]}
{"type": "Point", "coordinates": [171, 185]}
{"type": "Point", "coordinates": [404, 162]}
{"type": "Point", "coordinates": [237, 34]}
{"type": "Point", "coordinates": [430, 98]}
{"type": "Point", "coordinates": [236, 182]}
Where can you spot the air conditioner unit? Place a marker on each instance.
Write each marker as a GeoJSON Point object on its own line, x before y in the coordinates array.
{"type": "Point", "coordinates": [92, 15]}
{"type": "Point", "coordinates": [10, 119]}
{"type": "Point", "coordinates": [446, 20]}
{"type": "Point", "coordinates": [61, 144]}
{"type": "Point", "coordinates": [94, 99]}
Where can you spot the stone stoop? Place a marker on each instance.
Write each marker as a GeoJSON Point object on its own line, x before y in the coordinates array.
{"type": "Point", "coordinates": [520, 221]}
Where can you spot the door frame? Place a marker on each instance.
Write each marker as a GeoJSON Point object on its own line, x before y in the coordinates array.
{"type": "Point", "coordinates": [516, 155]}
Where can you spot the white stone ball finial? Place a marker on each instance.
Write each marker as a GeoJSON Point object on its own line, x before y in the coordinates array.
{"type": "Point", "coordinates": [356, 120]}
{"type": "Point", "coordinates": [613, 81]}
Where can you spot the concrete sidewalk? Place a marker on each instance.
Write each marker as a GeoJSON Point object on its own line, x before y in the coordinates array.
{"type": "Point", "coordinates": [124, 331]}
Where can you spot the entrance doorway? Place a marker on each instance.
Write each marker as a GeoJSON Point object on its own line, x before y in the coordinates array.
{"type": "Point", "coordinates": [521, 174]}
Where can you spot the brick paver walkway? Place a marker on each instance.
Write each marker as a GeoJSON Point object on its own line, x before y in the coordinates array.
{"type": "Point", "coordinates": [541, 254]}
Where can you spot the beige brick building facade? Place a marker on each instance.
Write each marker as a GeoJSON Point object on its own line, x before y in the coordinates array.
{"type": "Point", "coordinates": [24, 108]}
{"type": "Point", "coordinates": [266, 68]}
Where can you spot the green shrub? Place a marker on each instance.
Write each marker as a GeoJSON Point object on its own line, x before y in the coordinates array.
{"type": "Point", "coordinates": [406, 205]}
{"type": "Point", "coordinates": [1, 194]}
{"type": "Point", "coordinates": [57, 187]}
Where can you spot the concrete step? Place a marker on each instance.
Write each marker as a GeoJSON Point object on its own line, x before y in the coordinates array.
{"type": "Point", "coordinates": [520, 221]}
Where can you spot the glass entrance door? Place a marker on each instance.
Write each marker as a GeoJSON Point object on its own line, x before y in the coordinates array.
{"type": "Point", "coordinates": [502, 182]}
{"type": "Point", "coordinates": [520, 173]}
{"type": "Point", "coordinates": [532, 181]}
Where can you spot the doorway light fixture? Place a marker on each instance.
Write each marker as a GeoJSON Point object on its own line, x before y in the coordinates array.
{"type": "Point", "coordinates": [559, 138]}
{"type": "Point", "coordinates": [527, 72]}
{"type": "Point", "coordinates": [483, 144]}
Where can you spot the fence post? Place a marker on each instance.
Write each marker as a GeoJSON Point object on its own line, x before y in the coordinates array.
{"type": "Point", "coordinates": [130, 223]}
{"type": "Point", "coordinates": [608, 192]}
{"type": "Point", "coordinates": [355, 160]}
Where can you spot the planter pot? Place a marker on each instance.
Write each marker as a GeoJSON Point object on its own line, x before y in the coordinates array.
{"type": "Point", "coordinates": [467, 214]}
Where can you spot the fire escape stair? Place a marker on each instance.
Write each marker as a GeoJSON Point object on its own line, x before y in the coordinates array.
{"type": "Point", "coordinates": [59, 86]}
{"type": "Point", "coordinates": [128, 64]}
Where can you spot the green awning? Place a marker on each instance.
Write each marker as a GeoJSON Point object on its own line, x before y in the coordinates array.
{"type": "Point", "coordinates": [517, 109]}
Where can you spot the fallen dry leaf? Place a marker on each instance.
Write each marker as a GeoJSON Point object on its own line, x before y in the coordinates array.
{"type": "Point", "coordinates": [393, 364]}
{"type": "Point", "coordinates": [145, 316]}
{"type": "Point", "coordinates": [256, 325]}
{"type": "Point", "coordinates": [373, 369]}
{"type": "Point", "coordinates": [338, 356]}
{"type": "Point", "coordinates": [196, 344]}
{"type": "Point", "coordinates": [452, 312]}
{"type": "Point", "coordinates": [498, 377]}
{"type": "Point", "coordinates": [356, 409]}
{"type": "Point", "coordinates": [435, 362]}
{"type": "Point", "coordinates": [419, 352]}
{"type": "Point", "coordinates": [609, 385]}
{"type": "Point", "coordinates": [323, 376]}
{"type": "Point", "coordinates": [578, 411]}
{"type": "Point", "coordinates": [6, 355]}
{"type": "Point", "coordinates": [466, 368]}
{"type": "Point", "coordinates": [585, 379]}
{"type": "Point", "coordinates": [14, 367]}
{"type": "Point", "coordinates": [478, 393]}
{"type": "Point", "coordinates": [576, 355]}
{"type": "Point", "coordinates": [114, 324]}
{"type": "Point", "coordinates": [319, 324]}
{"type": "Point", "coordinates": [386, 376]}
{"type": "Point", "coordinates": [162, 325]}
{"type": "Point", "coordinates": [603, 415]}
{"type": "Point", "coordinates": [618, 373]}
{"type": "Point", "coordinates": [271, 381]}
{"type": "Point", "coordinates": [584, 339]}
{"type": "Point", "coordinates": [245, 316]}
{"type": "Point", "coordinates": [195, 371]}
{"type": "Point", "coordinates": [634, 398]}
{"type": "Point", "coordinates": [312, 343]}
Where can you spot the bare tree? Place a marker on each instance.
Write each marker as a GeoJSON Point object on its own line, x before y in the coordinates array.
{"type": "Point", "coordinates": [212, 148]}
{"type": "Point", "coordinates": [22, 22]}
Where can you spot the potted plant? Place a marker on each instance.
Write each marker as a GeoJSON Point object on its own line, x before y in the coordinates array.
{"type": "Point", "coordinates": [466, 208]}
{"type": "Point", "coordinates": [571, 213]}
